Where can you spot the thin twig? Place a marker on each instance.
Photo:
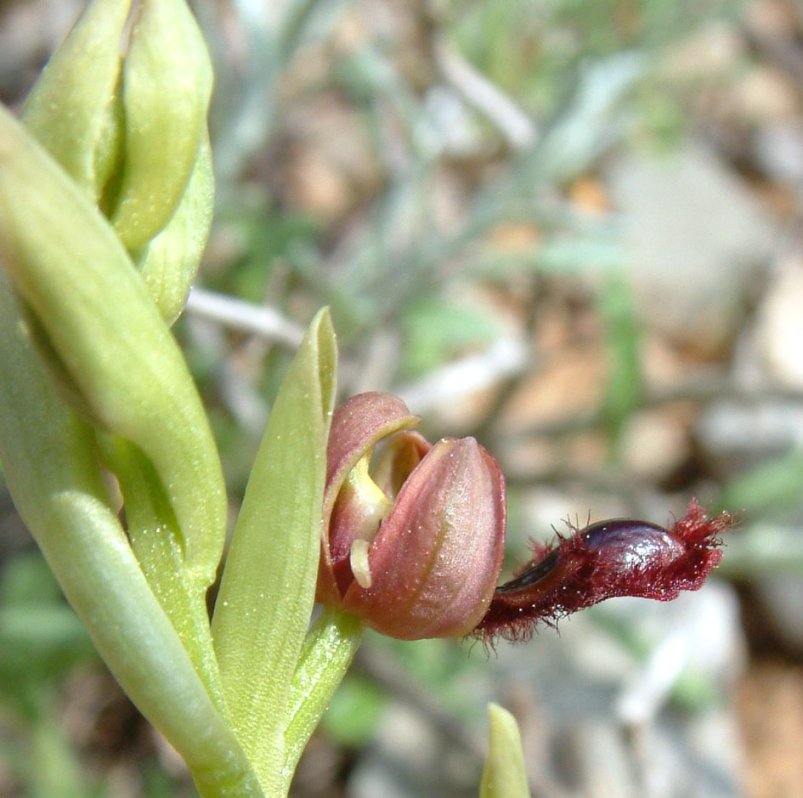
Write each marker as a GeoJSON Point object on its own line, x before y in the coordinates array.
{"type": "Point", "coordinates": [239, 315]}
{"type": "Point", "coordinates": [237, 392]}
{"type": "Point", "coordinates": [486, 97]}
{"type": "Point", "coordinates": [460, 379]}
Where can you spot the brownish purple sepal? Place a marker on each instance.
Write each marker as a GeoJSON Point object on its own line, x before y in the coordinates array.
{"type": "Point", "coordinates": [357, 426]}
{"type": "Point", "coordinates": [414, 548]}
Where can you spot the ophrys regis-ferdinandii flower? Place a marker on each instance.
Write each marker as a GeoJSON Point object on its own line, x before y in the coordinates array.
{"type": "Point", "coordinates": [413, 541]}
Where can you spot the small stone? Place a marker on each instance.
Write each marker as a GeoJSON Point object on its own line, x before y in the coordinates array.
{"type": "Point", "coordinates": [695, 237]}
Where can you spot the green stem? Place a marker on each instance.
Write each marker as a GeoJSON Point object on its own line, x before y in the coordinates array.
{"type": "Point", "coordinates": [90, 556]}
{"type": "Point", "coordinates": [328, 651]}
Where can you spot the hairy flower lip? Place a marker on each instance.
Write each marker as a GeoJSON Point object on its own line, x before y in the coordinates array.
{"type": "Point", "coordinates": [617, 557]}
{"type": "Point", "coordinates": [533, 575]}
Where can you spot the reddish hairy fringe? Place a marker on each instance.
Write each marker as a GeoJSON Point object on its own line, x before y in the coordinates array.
{"type": "Point", "coordinates": [621, 557]}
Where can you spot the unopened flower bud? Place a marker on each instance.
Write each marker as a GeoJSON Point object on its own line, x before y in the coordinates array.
{"type": "Point", "coordinates": [122, 107]}
{"type": "Point", "coordinates": [74, 109]}
{"type": "Point", "coordinates": [165, 91]}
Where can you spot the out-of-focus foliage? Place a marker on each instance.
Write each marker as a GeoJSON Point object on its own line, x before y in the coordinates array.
{"type": "Point", "coordinates": [40, 636]}
{"type": "Point", "coordinates": [42, 642]}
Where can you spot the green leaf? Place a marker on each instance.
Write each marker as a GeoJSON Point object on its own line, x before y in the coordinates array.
{"type": "Point", "coordinates": [53, 768]}
{"type": "Point", "coordinates": [504, 775]}
{"type": "Point", "coordinates": [40, 640]}
{"type": "Point", "coordinates": [772, 487]}
{"type": "Point", "coordinates": [70, 268]}
{"type": "Point", "coordinates": [436, 330]}
{"type": "Point", "coordinates": [156, 540]}
{"type": "Point", "coordinates": [25, 579]}
{"type": "Point", "coordinates": [268, 584]}
{"type": "Point", "coordinates": [352, 716]}
{"type": "Point", "coordinates": [573, 255]}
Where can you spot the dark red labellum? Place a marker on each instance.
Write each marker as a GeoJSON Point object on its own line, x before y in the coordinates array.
{"type": "Point", "coordinates": [619, 557]}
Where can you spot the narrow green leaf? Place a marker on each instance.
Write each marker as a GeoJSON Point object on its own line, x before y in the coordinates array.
{"type": "Point", "coordinates": [70, 268]}
{"type": "Point", "coordinates": [435, 329]}
{"type": "Point", "coordinates": [773, 486]}
{"type": "Point", "coordinates": [505, 775]}
{"type": "Point", "coordinates": [53, 768]}
{"type": "Point", "coordinates": [354, 712]}
{"type": "Point", "coordinates": [156, 540]}
{"type": "Point", "coordinates": [764, 550]}
{"type": "Point", "coordinates": [624, 383]}
{"type": "Point", "coordinates": [268, 584]}
{"type": "Point", "coordinates": [39, 641]}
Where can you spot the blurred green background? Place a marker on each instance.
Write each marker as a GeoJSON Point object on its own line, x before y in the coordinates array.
{"type": "Point", "coordinates": [571, 229]}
